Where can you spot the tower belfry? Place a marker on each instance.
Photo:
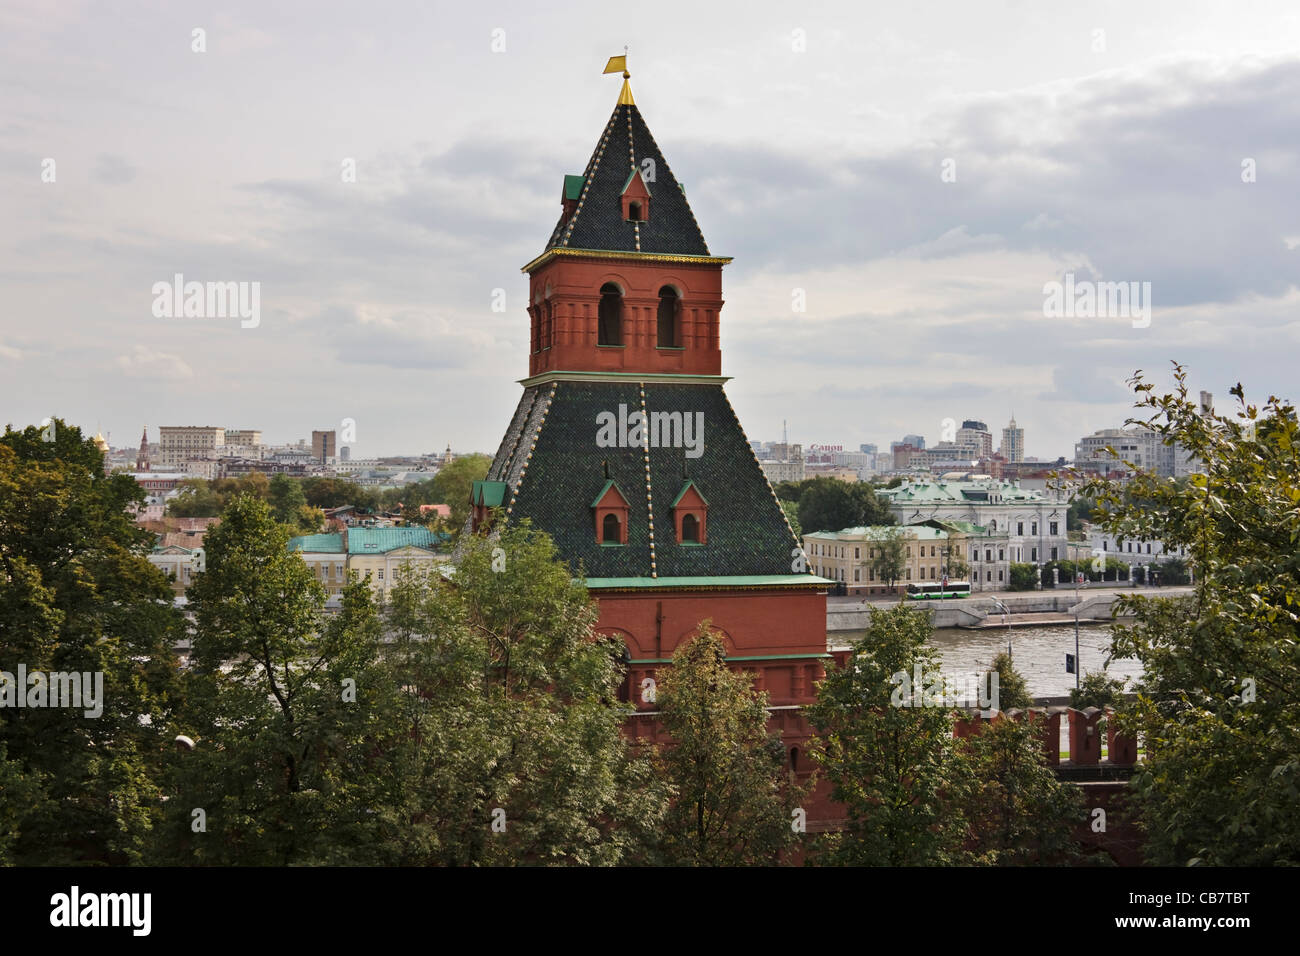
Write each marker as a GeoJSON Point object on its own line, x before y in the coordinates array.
{"type": "Point", "coordinates": [624, 446]}
{"type": "Point", "coordinates": [142, 457]}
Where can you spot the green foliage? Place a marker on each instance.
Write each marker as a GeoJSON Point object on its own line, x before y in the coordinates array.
{"type": "Point", "coordinates": [1218, 702]}
{"type": "Point", "coordinates": [1023, 577]}
{"type": "Point", "coordinates": [788, 490]}
{"type": "Point", "coordinates": [1080, 510]}
{"type": "Point", "coordinates": [1015, 810]}
{"type": "Point", "coordinates": [889, 766]}
{"type": "Point", "coordinates": [511, 718]}
{"type": "Point", "coordinates": [453, 483]}
{"type": "Point", "coordinates": [283, 766]}
{"type": "Point", "coordinates": [1096, 689]}
{"type": "Point", "coordinates": [1013, 692]}
{"type": "Point", "coordinates": [329, 492]}
{"type": "Point", "coordinates": [78, 595]}
{"type": "Point", "coordinates": [734, 791]}
{"type": "Point", "coordinates": [828, 504]}
{"type": "Point", "coordinates": [887, 556]}
{"type": "Point", "coordinates": [791, 510]}
{"type": "Point", "coordinates": [199, 498]}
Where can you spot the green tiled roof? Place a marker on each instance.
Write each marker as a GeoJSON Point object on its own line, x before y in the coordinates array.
{"type": "Point", "coordinates": [918, 531]}
{"type": "Point", "coordinates": [489, 493]}
{"type": "Point", "coordinates": [737, 581]}
{"type": "Point", "coordinates": [747, 533]}
{"type": "Point", "coordinates": [382, 540]}
{"type": "Point", "coordinates": [690, 484]}
{"type": "Point", "coordinates": [625, 145]}
{"type": "Point", "coordinates": [572, 187]}
{"type": "Point", "coordinates": [966, 492]}
{"type": "Point", "coordinates": [966, 527]}
{"type": "Point", "coordinates": [605, 488]}
{"type": "Point", "coordinates": [330, 543]}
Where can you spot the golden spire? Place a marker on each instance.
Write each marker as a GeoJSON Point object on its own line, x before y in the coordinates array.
{"type": "Point", "coordinates": [615, 64]}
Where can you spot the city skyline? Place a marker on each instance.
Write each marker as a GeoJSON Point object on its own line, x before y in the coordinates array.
{"type": "Point", "coordinates": [829, 153]}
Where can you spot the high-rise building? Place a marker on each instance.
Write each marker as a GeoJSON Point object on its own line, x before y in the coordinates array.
{"type": "Point", "coordinates": [975, 439]}
{"type": "Point", "coordinates": [324, 446]}
{"type": "Point", "coordinates": [178, 444]}
{"type": "Point", "coordinates": [632, 458]}
{"type": "Point", "coordinates": [1013, 442]}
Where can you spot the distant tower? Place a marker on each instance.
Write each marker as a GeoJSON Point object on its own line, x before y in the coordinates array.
{"type": "Point", "coordinates": [446, 456]}
{"type": "Point", "coordinates": [1013, 442]}
{"type": "Point", "coordinates": [142, 457]}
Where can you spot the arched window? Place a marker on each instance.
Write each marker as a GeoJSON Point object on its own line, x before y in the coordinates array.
{"type": "Point", "coordinates": [668, 309]}
{"type": "Point", "coordinates": [610, 328]}
{"type": "Point", "coordinates": [610, 531]}
{"type": "Point", "coordinates": [794, 758]}
{"type": "Point", "coordinates": [634, 212]}
{"type": "Point", "coordinates": [691, 529]}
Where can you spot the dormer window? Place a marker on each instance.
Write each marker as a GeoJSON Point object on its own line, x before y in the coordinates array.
{"type": "Point", "coordinates": [610, 510]}
{"type": "Point", "coordinates": [690, 516]}
{"type": "Point", "coordinates": [635, 198]}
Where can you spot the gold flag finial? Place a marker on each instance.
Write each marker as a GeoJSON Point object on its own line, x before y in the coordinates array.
{"type": "Point", "coordinates": [615, 64]}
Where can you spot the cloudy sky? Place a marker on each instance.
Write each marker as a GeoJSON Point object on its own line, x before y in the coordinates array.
{"type": "Point", "coordinates": [919, 170]}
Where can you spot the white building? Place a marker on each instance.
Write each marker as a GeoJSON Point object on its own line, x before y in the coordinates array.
{"type": "Point", "coordinates": [1032, 520]}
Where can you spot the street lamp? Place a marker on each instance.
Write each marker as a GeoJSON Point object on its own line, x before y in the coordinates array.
{"type": "Point", "coordinates": [1005, 620]}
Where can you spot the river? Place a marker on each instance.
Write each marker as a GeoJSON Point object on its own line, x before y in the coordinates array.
{"type": "Point", "coordinates": [1038, 652]}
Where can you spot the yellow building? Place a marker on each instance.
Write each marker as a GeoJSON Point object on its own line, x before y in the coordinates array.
{"type": "Point", "coordinates": [375, 554]}
{"type": "Point", "coordinates": [849, 555]}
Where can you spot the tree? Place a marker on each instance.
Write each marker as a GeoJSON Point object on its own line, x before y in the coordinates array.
{"type": "Point", "coordinates": [734, 791]}
{"type": "Point", "coordinates": [956, 567]}
{"type": "Point", "coordinates": [1015, 810]}
{"type": "Point", "coordinates": [1217, 703]}
{"type": "Point", "coordinates": [1080, 510]}
{"type": "Point", "coordinates": [329, 492]}
{"type": "Point", "coordinates": [887, 557]}
{"type": "Point", "coordinates": [1023, 577]}
{"type": "Point", "coordinates": [889, 763]}
{"type": "Point", "coordinates": [282, 707]}
{"type": "Point", "coordinates": [1098, 690]}
{"type": "Point", "coordinates": [195, 499]}
{"type": "Point", "coordinates": [828, 504]}
{"type": "Point", "coordinates": [453, 484]}
{"type": "Point", "coordinates": [79, 785]}
{"type": "Point", "coordinates": [286, 499]}
{"type": "Point", "coordinates": [513, 749]}
{"type": "Point", "coordinates": [792, 515]}
{"type": "Point", "coordinates": [1013, 692]}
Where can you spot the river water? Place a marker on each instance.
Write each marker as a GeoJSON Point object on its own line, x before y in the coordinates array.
{"type": "Point", "coordinates": [1038, 652]}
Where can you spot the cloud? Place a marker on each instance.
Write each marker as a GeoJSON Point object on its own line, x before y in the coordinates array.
{"type": "Point", "coordinates": [146, 363]}
{"type": "Point", "coordinates": [112, 170]}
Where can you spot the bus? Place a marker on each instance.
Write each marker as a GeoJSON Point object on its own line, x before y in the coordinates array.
{"type": "Point", "coordinates": [935, 591]}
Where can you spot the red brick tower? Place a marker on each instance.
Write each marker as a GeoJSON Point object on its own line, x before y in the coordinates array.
{"type": "Point", "coordinates": [625, 449]}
